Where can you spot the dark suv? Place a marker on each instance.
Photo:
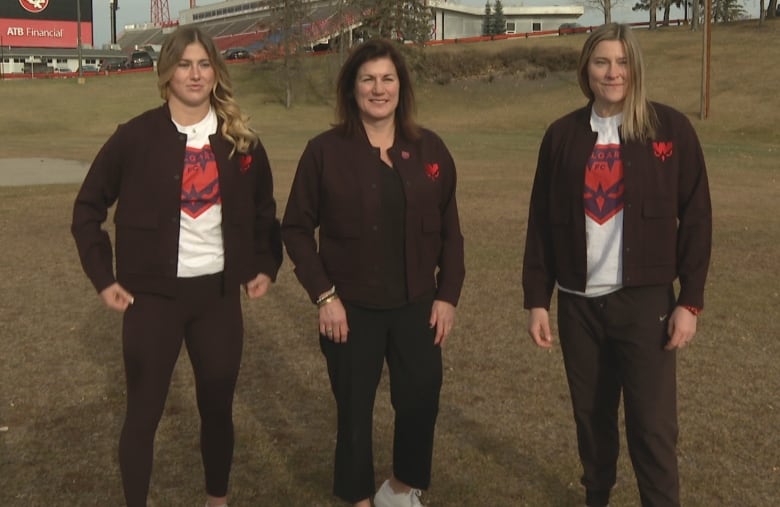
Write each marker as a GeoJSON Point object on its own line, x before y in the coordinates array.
{"type": "Point", "coordinates": [115, 65]}
{"type": "Point", "coordinates": [236, 54]}
{"type": "Point", "coordinates": [140, 60]}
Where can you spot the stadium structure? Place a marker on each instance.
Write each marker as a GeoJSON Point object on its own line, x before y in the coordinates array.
{"type": "Point", "coordinates": [50, 36]}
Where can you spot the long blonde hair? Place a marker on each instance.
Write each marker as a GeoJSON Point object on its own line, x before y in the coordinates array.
{"type": "Point", "coordinates": [235, 124]}
{"type": "Point", "coordinates": [639, 119]}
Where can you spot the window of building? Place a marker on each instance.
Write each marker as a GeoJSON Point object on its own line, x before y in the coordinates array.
{"type": "Point", "coordinates": [510, 27]}
{"type": "Point", "coordinates": [536, 27]}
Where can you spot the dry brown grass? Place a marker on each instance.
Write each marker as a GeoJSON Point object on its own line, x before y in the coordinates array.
{"type": "Point", "coordinates": [505, 435]}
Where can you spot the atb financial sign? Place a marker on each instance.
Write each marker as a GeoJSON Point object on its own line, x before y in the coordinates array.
{"type": "Point", "coordinates": [45, 23]}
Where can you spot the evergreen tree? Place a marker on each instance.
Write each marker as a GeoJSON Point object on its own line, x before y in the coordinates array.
{"type": "Point", "coordinates": [499, 21]}
{"type": "Point", "coordinates": [727, 10]}
{"type": "Point", "coordinates": [487, 21]}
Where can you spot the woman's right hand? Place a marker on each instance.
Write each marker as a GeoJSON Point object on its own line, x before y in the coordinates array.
{"type": "Point", "coordinates": [116, 297]}
{"type": "Point", "coordinates": [539, 327]}
{"type": "Point", "coordinates": [333, 321]}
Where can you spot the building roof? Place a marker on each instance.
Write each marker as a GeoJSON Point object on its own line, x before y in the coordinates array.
{"type": "Point", "coordinates": [510, 10]}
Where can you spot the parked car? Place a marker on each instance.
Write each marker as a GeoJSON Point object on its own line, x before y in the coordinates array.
{"type": "Point", "coordinates": [140, 60]}
{"type": "Point", "coordinates": [89, 68]}
{"type": "Point", "coordinates": [236, 54]}
{"type": "Point", "coordinates": [569, 28]}
{"type": "Point", "coordinates": [115, 65]}
{"type": "Point", "coordinates": [62, 70]}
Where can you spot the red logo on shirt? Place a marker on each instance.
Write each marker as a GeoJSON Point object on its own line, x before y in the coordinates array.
{"type": "Point", "coordinates": [432, 170]}
{"type": "Point", "coordinates": [663, 150]}
{"type": "Point", "coordinates": [246, 161]}
{"type": "Point", "coordinates": [34, 6]}
{"type": "Point", "coordinates": [200, 183]}
{"type": "Point", "coordinates": [603, 195]}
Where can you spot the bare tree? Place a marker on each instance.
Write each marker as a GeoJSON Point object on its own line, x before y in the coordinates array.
{"type": "Point", "coordinates": [653, 14]}
{"type": "Point", "coordinates": [605, 6]}
{"type": "Point", "coordinates": [696, 14]}
{"type": "Point", "coordinates": [289, 17]}
{"type": "Point", "coordinates": [407, 20]}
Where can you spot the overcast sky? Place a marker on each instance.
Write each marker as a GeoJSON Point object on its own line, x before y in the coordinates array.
{"type": "Point", "coordinates": [138, 12]}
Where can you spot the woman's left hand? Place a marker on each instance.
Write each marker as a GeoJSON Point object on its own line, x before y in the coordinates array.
{"type": "Point", "coordinates": [443, 318]}
{"type": "Point", "coordinates": [258, 286]}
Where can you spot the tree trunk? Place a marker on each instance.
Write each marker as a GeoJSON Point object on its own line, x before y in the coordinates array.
{"type": "Point", "coordinates": [653, 8]}
{"type": "Point", "coordinates": [607, 4]}
{"type": "Point", "coordinates": [667, 10]}
{"type": "Point", "coordinates": [772, 11]}
{"type": "Point", "coordinates": [761, 13]}
{"type": "Point", "coordinates": [287, 78]}
{"type": "Point", "coordinates": [695, 16]}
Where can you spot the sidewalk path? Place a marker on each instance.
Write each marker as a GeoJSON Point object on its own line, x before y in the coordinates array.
{"type": "Point", "coordinates": [16, 172]}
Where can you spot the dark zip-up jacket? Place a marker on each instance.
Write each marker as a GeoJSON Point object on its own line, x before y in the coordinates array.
{"type": "Point", "coordinates": [332, 191]}
{"type": "Point", "coordinates": [667, 214]}
{"type": "Point", "coordinates": [140, 168]}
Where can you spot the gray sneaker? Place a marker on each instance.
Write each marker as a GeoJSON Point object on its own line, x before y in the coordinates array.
{"type": "Point", "coordinates": [386, 497]}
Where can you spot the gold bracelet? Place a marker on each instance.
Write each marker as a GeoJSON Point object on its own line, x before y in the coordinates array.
{"type": "Point", "coordinates": [327, 299]}
{"type": "Point", "coordinates": [326, 294]}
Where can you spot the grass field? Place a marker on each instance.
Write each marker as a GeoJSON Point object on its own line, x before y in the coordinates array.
{"type": "Point", "coordinates": [505, 435]}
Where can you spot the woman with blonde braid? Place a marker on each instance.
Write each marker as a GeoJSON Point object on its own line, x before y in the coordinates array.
{"type": "Point", "coordinates": [195, 220]}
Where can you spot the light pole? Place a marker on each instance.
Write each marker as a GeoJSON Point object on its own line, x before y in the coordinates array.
{"type": "Point", "coordinates": [78, 34]}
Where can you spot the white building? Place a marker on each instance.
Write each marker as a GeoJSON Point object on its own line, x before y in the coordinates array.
{"type": "Point", "coordinates": [455, 21]}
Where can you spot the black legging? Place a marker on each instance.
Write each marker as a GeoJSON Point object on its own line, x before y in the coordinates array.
{"type": "Point", "coordinates": [210, 324]}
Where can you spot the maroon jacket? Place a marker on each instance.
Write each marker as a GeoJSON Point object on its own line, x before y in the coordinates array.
{"type": "Point", "coordinates": [667, 215]}
{"type": "Point", "coordinates": [140, 167]}
{"type": "Point", "coordinates": [332, 192]}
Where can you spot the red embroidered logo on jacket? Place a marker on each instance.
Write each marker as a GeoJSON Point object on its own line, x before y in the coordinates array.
{"type": "Point", "coordinates": [432, 170]}
{"type": "Point", "coordinates": [663, 150]}
{"type": "Point", "coordinates": [246, 161]}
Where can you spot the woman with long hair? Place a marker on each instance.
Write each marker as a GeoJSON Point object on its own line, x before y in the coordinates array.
{"type": "Point", "coordinates": [620, 209]}
{"type": "Point", "coordinates": [195, 220]}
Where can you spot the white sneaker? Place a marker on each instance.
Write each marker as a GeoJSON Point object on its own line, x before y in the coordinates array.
{"type": "Point", "coordinates": [386, 497]}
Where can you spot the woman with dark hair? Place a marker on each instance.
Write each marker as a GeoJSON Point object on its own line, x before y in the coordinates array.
{"type": "Point", "coordinates": [195, 220]}
{"type": "Point", "coordinates": [386, 271]}
{"type": "Point", "coordinates": [620, 209]}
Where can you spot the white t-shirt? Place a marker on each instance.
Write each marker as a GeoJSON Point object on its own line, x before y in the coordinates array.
{"type": "Point", "coordinates": [603, 201]}
{"type": "Point", "coordinates": [201, 250]}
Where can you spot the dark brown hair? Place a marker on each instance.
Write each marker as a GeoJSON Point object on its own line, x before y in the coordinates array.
{"type": "Point", "coordinates": [347, 113]}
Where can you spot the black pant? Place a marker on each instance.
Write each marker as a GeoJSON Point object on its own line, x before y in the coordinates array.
{"type": "Point", "coordinates": [404, 338]}
{"type": "Point", "coordinates": [210, 324]}
{"type": "Point", "coordinates": [611, 344]}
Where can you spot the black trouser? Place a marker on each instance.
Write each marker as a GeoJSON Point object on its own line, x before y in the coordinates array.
{"type": "Point", "coordinates": [615, 343]}
{"type": "Point", "coordinates": [210, 324]}
{"type": "Point", "coordinates": [403, 337]}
